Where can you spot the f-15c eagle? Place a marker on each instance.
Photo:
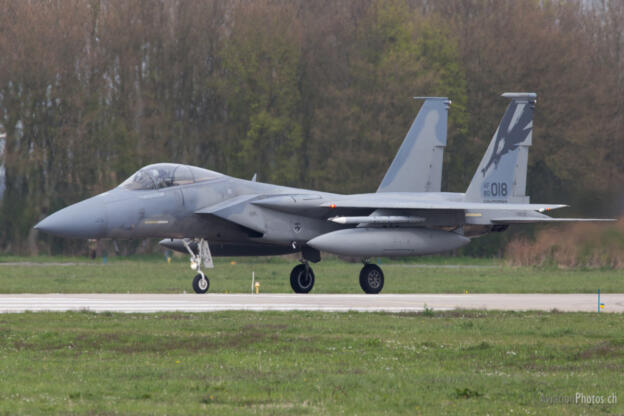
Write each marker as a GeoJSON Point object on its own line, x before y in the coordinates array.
{"type": "Point", "coordinates": [206, 213]}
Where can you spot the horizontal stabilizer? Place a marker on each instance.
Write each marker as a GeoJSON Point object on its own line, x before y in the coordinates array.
{"type": "Point", "coordinates": [529, 220]}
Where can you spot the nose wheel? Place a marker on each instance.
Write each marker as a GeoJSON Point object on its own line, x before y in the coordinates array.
{"type": "Point", "coordinates": [302, 278]}
{"type": "Point", "coordinates": [371, 279]}
{"type": "Point", "coordinates": [201, 283]}
{"type": "Point", "coordinates": [203, 256]}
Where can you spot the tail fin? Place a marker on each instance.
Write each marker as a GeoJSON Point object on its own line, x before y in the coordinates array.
{"type": "Point", "coordinates": [417, 167]}
{"type": "Point", "coordinates": [501, 176]}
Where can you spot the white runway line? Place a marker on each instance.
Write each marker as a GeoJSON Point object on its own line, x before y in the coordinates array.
{"type": "Point", "coordinates": [312, 302]}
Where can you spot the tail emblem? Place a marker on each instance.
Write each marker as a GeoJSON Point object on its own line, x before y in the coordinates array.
{"type": "Point", "coordinates": [513, 130]}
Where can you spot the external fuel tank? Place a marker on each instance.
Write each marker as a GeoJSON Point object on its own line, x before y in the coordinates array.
{"type": "Point", "coordinates": [371, 242]}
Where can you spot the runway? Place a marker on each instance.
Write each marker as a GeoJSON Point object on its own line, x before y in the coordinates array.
{"type": "Point", "coordinates": [138, 303]}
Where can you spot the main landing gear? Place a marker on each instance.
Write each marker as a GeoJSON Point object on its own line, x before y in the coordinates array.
{"type": "Point", "coordinates": [302, 275]}
{"type": "Point", "coordinates": [302, 278]}
{"type": "Point", "coordinates": [371, 278]}
{"type": "Point", "coordinates": [201, 284]}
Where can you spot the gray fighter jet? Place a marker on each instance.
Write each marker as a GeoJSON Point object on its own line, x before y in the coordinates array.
{"type": "Point", "coordinates": [206, 213]}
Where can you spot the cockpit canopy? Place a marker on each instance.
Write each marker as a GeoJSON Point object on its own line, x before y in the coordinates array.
{"type": "Point", "coordinates": [163, 175]}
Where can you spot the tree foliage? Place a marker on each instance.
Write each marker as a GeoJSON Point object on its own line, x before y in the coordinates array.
{"type": "Point", "coordinates": [305, 93]}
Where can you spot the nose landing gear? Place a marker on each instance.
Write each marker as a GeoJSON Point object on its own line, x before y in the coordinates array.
{"type": "Point", "coordinates": [200, 281]}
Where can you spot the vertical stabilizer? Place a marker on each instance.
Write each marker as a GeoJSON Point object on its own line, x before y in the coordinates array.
{"type": "Point", "coordinates": [417, 167]}
{"type": "Point", "coordinates": [501, 176]}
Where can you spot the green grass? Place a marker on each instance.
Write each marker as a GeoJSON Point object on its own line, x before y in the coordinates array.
{"type": "Point", "coordinates": [460, 362]}
{"type": "Point", "coordinates": [429, 275]}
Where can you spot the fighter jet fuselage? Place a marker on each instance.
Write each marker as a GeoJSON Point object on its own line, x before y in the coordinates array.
{"type": "Point", "coordinates": [241, 212]}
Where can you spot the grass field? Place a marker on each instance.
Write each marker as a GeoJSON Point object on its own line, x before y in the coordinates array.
{"type": "Point", "coordinates": [425, 275]}
{"type": "Point", "coordinates": [461, 362]}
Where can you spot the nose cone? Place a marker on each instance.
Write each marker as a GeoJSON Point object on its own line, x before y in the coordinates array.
{"type": "Point", "coordinates": [86, 219]}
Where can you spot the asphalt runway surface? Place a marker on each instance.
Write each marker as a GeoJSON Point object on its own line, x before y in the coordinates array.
{"type": "Point", "coordinates": [130, 303]}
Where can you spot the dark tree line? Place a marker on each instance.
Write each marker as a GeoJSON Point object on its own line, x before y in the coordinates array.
{"type": "Point", "coordinates": [306, 93]}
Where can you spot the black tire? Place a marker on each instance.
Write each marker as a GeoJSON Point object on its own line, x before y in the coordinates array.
{"type": "Point", "coordinates": [200, 285]}
{"type": "Point", "coordinates": [371, 279]}
{"type": "Point", "coordinates": [302, 279]}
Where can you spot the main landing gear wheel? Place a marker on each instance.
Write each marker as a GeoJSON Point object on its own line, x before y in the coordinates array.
{"type": "Point", "coordinates": [371, 279]}
{"type": "Point", "coordinates": [302, 278]}
{"type": "Point", "coordinates": [200, 283]}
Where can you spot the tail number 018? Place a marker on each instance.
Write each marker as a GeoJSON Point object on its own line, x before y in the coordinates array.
{"type": "Point", "coordinates": [498, 188]}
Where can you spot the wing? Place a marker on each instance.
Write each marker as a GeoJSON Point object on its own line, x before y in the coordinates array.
{"type": "Point", "coordinates": [420, 201]}
{"type": "Point", "coordinates": [386, 208]}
